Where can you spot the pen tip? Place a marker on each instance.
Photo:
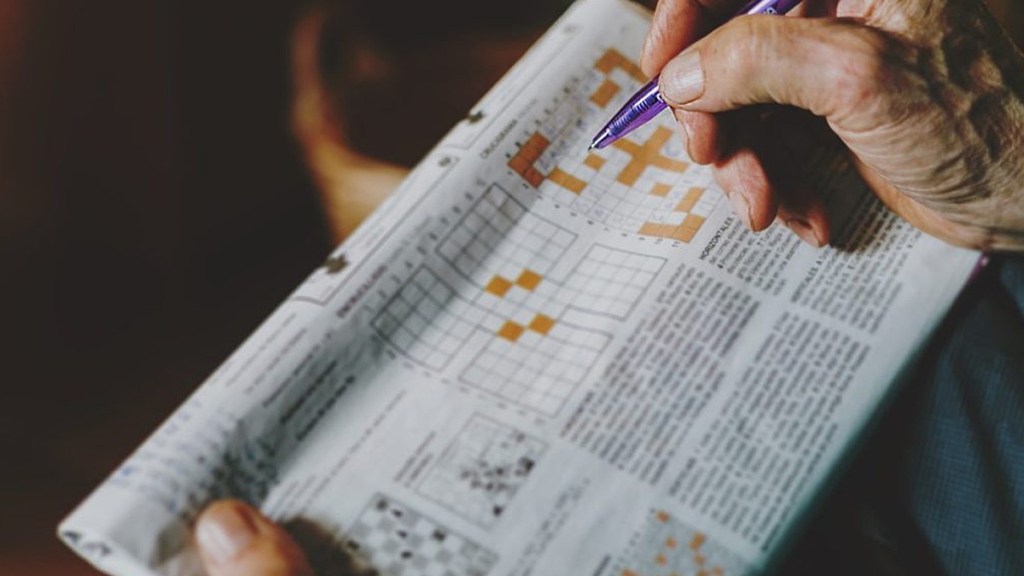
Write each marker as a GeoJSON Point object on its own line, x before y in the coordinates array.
{"type": "Point", "coordinates": [601, 140]}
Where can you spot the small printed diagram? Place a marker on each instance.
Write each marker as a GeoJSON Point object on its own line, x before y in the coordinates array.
{"type": "Point", "coordinates": [669, 547]}
{"type": "Point", "coordinates": [643, 183]}
{"type": "Point", "coordinates": [482, 470]}
{"type": "Point", "coordinates": [398, 541]}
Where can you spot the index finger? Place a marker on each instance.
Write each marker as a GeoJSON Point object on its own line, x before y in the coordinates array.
{"type": "Point", "coordinates": [679, 23]}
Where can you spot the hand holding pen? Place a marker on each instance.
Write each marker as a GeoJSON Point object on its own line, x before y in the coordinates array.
{"type": "Point", "coordinates": [648, 102]}
{"type": "Point", "coordinates": [927, 96]}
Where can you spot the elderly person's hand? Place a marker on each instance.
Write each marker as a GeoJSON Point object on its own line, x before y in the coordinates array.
{"type": "Point", "coordinates": [925, 94]}
{"type": "Point", "coordinates": [236, 540]}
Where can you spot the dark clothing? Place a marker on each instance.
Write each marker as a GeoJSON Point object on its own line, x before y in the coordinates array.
{"type": "Point", "coordinates": [962, 465]}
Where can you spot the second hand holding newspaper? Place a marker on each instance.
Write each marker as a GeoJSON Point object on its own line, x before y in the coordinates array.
{"type": "Point", "coordinates": [538, 359]}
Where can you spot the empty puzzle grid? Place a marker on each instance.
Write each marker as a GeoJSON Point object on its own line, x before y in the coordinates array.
{"type": "Point", "coordinates": [534, 370]}
{"type": "Point", "coordinates": [610, 282]}
{"type": "Point", "coordinates": [498, 235]}
{"type": "Point", "coordinates": [423, 320]}
{"type": "Point", "coordinates": [480, 472]}
{"type": "Point", "coordinates": [397, 540]}
{"type": "Point", "coordinates": [669, 547]}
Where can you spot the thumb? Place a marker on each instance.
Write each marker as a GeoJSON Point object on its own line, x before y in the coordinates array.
{"type": "Point", "coordinates": [236, 540]}
{"type": "Point", "coordinates": [831, 67]}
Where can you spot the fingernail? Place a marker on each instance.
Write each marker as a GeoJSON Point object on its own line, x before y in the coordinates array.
{"type": "Point", "coordinates": [742, 209]}
{"type": "Point", "coordinates": [224, 532]}
{"type": "Point", "coordinates": [803, 229]}
{"type": "Point", "coordinates": [682, 80]}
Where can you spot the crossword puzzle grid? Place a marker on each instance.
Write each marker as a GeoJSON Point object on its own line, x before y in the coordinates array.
{"type": "Point", "coordinates": [398, 541]}
{"type": "Point", "coordinates": [423, 320]}
{"type": "Point", "coordinates": [643, 184]}
{"type": "Point", "coordinates": [500, 236]}
{"type": "Point", "coordinates": [669, 547]}
{"type": "Point", "coordinates": [537, 371]}
{"type": "Point", "coordinates": [492, 275]}
{"type": "Point", "coordinates": [480, 472]}
{"type": "Point", "coordinates": [640, 184]}
{"type": "Point", "coordinates": [610, 281]}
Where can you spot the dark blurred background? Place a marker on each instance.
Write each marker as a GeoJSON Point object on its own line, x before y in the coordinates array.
{"type": "Point", "coordinates": [154, 207]}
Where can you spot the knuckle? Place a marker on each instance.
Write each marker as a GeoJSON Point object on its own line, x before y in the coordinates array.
{"type": "Point", "coordinates": [864, 71]}
{"type": "Point", "coordinates": [747, 44]}
{"type": "Point", "coordinates": [740, 50]}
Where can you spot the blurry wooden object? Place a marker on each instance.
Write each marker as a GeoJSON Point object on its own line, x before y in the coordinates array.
{"type": "Point", "coordinates": [365, 111]}
{"type": "Point", "coordinates": [351, 184]}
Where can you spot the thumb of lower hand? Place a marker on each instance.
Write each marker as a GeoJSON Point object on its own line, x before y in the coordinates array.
{"type": "Point", "coordinates": [234, 539]}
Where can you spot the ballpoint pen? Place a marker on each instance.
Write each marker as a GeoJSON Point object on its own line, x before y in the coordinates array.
{"type": "Point", "coordinates": [647, 102]}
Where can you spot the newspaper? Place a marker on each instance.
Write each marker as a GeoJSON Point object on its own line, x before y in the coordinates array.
{"type": "Point", "coordinates": [535, 359]}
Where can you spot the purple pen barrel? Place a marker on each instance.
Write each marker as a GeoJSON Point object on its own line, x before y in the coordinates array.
{"type": "Point", "coordinates": [643, 106]}
{"type": "Point", "coordinates": [647, 102]}
{"type": "Point", "coordinates": [768, 7]}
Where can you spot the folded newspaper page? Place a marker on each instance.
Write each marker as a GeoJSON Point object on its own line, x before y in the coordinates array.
{"type": "Point", "coordinates": [536, 359]}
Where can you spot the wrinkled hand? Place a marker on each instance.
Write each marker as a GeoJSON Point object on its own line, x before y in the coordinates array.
{"type": "Point", "coordinates": [236, 540]}
{"type": "Point", "coordinates": [925, 94]}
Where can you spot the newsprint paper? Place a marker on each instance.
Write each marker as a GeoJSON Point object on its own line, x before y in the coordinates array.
{"type": "Point", "coordinates": [539, 360]}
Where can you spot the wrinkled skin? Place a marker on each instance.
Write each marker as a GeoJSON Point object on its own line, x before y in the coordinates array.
{"type": "Point", "coordinates": [925, 94]}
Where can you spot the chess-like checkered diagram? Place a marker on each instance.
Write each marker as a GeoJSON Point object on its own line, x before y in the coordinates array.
{"type": "Point", "coordinates": [668, 547]}
{"type": "Point", "coordinates": [490, 286]}
{"type": "Point", "coordinates": [396, 540]}
{"type": "Point", "coordinates": [642, 184]}
{"type": "Point", "coordinates": [480, 472]}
